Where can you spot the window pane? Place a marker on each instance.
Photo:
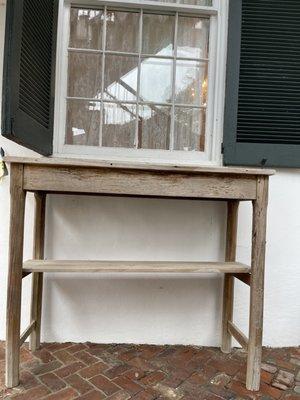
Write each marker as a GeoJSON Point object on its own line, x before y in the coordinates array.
{"type": "Point", "coordinates": [207, 3]}
{"type": "Point", "coordinates": [191, 83]}
{"type": "Point", "coordinates": [158, 34]}
{"type": "Point", "coordinates": [122, 31]}
{"type": "Point", "coordinates": [120, 81]}
{"type": "Point", "coordinates": [156, 80]}
{"type": "Point", "coordinates": [84, 75]}
{"type": "Point", "coordinates": [189, 129]}
{"type": "Point", "coordinates": [86, 28]}
{"type": "Point", "coordinates": [83, 123]}
{"type": "Point", "coordinates": [119, 125]}
{"type": "Point", "coordinates": [154, 127]}
{"type": "Point", "coordinates": [192, 37]}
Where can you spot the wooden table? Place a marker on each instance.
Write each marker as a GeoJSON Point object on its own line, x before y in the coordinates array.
{"type": "Point", "coordinates": [87, 177]}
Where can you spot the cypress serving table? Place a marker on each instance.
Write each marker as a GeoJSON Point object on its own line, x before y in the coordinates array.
{"type": "Point", "coordinates": [43, 176]}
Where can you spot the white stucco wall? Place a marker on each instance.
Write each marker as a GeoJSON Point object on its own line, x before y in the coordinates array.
{"type": "Point", "coordinates": [156, 310]}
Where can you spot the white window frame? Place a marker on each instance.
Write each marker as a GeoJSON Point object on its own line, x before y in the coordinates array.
{"type": "Point", "coordinates": [216, 89]}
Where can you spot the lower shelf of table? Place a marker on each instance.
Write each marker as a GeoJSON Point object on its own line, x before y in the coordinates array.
{"type": "Point", "coordinates": [134, 266]}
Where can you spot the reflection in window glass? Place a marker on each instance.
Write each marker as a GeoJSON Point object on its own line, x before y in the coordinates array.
{"type": "Point", "coordinates": [158, 34]}
{"type": "Point", "coordinates": [191, 83]}
{"type": "Point", "coordinates": [119, 123]}
{"type": "Point", "coordinates": [154, 127]}
{"type": "Point", "coordinates": [149, 94]}
{"type": "Point", "coordinates": [84, 75]}
{"type": "Point", "coordinates": [86, 28]}
{"type": "Point", "coordinates": [156, 80]}
{"type": "Point", "coordinates": [120, 78]}
{"type": "Point", "coordinates": [189, 129]}
{"type": "Point", "coordinates": [192, 37]}
{"type": "Point", "coordinates": [122, 31]}
{"type": "Point", "coordinates": [83, 121]}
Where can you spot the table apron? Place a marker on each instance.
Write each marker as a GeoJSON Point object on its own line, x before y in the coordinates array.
{"type": "Point", "coordinates": [128, 182]}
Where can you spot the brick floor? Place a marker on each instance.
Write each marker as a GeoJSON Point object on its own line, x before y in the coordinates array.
{"type": "Point", "coordinates": [65, 371]}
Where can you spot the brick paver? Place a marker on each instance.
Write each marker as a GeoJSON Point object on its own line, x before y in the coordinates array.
{"type": "Point", "coordinates": [87, 371]}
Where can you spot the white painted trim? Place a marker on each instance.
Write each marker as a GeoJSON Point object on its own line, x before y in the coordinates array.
{"type": "Point", "coordinates": [219, 92]}
{"type": "Point", "coordinates": [61, 81]}
{"type": "Point", "coordinates": [150, 5]}
{"type": "Point", "coordinates": [216, 93]}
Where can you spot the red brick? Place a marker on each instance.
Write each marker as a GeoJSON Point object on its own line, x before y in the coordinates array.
{"type": "Point", "coordinates": [209, 371]}
{"type": "Point", "coordinates": [291, 397]}
{"type": "Point", "coordinates": [153, 378]}
{"type": "Point", "coordinates": [128, 355]}
{"type": "Point", "coordinates": [266, 376]}
{"type": "Point", "coordinates": [198, 378]}
{"type": "Point", "coordinates": [44, 355]}
{"type": "Point", "coordinates": [33, 394]}
{"type": "Point", "coordinates": [86, 357]}
{"type": "Point", "coordinates": [25, 355]}
{"type": "Point", "coordinates": [144, 395]}
{"type": "Point", "coordinates": [28, 380]}
{"type": "Point", "coordinates": [64, 356]}
{"type": "Point", "coordinates": [229, 367]}
{"type": "Point", "coordinates": [210, 396]}
{"type": "Point", "coordinates": [53, 382]}
{"type": "Point", "coordinates": [141, 364]}
{"type": "Point", "coordinates": [240, 389]}
{"type": "Point", "coordinates": [122, 395]}
{"type": "Point", "coordinates": [93, 395]}
{"type": "Point", "coordinates": [66, 394]}
{"type": "Point", "coordinates": [79, 384]}
{"type": "Point", "coordinates": [70, 369]}
{"type": "Point", "coordinates": [183, 357]}
{"type": "Point", "coordinates": [149, 351]}
{"type": "Point", "coordinates": [117, 370]}
{"type": "Point", "coordinates": [281, 363]}
{"type": "Point", "coordinates": [199, 360]}
{"type": "Point", "coordinates": [270, 391]}
{"type": "Point", "coordinates": [135, 374]}
{"type": "Point", "coordinates": [76, 347]}
{"type": "Point", "coordinates": [105, 385]}
{"type": "Point", "coordinates": [44, 368]}
{"type": "Point", "coordinates": [98, 346]}
{"type": "Point", "coordinates": [130, 386]}
{"type": "Point", "coordinates": [93, 370]}
{"type": "Point", "coordinates": [175, 378]}
{"type": "Point", "coordinates": [52, 347]}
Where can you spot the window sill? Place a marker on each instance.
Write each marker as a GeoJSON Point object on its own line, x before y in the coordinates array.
{"type": "Point", "coordinates": [164, 157]}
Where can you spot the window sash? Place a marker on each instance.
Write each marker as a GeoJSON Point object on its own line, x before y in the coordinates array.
{"type": "Point", "coordinates": [213, 135]}
{"type": "Point", "coordinates": [149, 5]}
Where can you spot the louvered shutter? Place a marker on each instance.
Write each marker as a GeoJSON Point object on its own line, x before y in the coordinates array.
{"type": "Point", "coordinates": [262, 103]}
{"type": "Point", "coordinates": [29, 73]}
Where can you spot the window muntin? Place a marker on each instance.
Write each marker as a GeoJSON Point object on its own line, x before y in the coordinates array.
{"type": "Point", "coordinates": [146, 88]}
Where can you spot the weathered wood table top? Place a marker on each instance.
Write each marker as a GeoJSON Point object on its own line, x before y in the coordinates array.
{"type": "Point", "coordinates": [138, 179]}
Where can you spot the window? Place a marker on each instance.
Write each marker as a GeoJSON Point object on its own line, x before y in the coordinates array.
{"type": "Point", "coordinates": [139, 80]}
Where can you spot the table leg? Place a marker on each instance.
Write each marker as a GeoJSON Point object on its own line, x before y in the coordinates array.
{"type": "Point", "coordinates": [37, 277]}
{"type": "Point", "coordinates": [257, 284]}
{"type": "Point", "coordinates": [228, 290]}
{"type": "Point", "coordinates": [14, 288]}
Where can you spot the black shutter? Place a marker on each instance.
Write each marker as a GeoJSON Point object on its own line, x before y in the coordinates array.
{"type": "Point", "coordinates": [262, 104]}
{"type": "Point", "coordinates": [29, 73]}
